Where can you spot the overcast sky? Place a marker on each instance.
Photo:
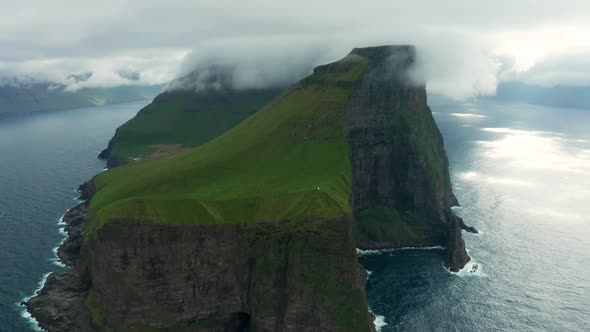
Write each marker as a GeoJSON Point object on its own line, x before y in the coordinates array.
{"type": "Point", "coordinates": [465, 46]}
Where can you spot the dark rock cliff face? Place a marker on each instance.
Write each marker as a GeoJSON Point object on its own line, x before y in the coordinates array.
{"type": "Point", "coordinates": [137, 276]}
{"type": "Point", "coordinates": [401, 190]}
{"type": "Point", "coordinates": [268, 277]}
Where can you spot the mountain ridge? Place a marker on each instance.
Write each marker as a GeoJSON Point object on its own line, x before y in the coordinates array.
{"type": "Point", "coordinates": [46, 96]}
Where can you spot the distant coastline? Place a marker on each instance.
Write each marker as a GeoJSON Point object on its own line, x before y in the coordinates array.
{"type": "Point", "coordinates": [16, 101]}
{"type": "Point", "coordinates": [15, 115]}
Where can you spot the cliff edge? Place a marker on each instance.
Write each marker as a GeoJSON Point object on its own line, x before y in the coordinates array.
{"type": "Point", "coordinates": [256, 230]}
{"type": "Point", "coordinates": [401, 190]}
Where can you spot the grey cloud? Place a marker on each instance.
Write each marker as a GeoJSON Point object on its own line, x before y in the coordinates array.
{"type": "Point", "coordinates": [129, 74]}
{"type": "Point", "coordinates": [251, 63]}
{"type": "Point", "coordinates": [273, 41]}
{"type": "Point", "coordinates": [83, 77]}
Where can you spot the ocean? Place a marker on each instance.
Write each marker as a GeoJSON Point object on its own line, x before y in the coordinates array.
{"type": "Point", "coordinates": [43, 159]}
{"type": "Point", "coordinates": [521, 173]}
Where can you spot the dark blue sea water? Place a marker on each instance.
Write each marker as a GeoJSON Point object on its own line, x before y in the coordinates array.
{"type": "Point", "coordinates": [521, 172]}
{"type": "Point", "coordinates": [43, 159]}
{"type": "Point", "coordinates": [522, 175]}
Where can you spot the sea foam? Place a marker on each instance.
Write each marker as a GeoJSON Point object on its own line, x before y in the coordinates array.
{"type": "Point", "coordinates": [62, 230]}
{"type": "Point", "coordinates": [361, 252]}
{"type": "Point", "coordinates": [466, 270]}
{"type": "Point", "coordinates": [25, 313]}
{"type": "Point", "coordinates": [379, 321]}
{"type": "Point", "coordinates": [31, 320]}
{"type": "Point", "coordinates": [55, 259]}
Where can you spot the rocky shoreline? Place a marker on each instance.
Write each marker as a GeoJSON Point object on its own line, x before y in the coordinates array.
{"type": "Point", "coordinates": [59, 305]}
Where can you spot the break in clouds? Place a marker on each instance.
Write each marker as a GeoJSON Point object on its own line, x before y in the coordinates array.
{"type": "Point", "coordinates": [464, 47]}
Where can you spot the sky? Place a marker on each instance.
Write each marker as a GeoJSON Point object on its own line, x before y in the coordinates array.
{"type": "Point", "coordinates": [465, 47]}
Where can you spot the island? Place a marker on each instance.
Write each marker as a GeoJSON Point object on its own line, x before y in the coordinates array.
{"type": "Point", "coordinates": [256, 228]}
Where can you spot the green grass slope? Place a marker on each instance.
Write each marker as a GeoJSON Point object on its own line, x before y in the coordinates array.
{"type": "Point", "coordinates": [185, 119]}
{"type": "Point", "coordinates": [289, 161]}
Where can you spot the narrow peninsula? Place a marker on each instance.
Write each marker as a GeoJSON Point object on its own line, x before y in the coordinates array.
{"type": "Point", "coordinates": [252, 222]}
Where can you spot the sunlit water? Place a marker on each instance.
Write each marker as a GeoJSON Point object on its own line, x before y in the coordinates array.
{"type": "Point", "coordinates": [522, 175]}
{"type": "Point", "coordinates": [43, 159]}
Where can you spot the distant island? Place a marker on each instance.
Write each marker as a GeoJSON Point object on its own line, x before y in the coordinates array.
{"type": "Point", "coordinates": [565, 96]}
{"type": "Point", "coordinates": [242, 210]}
{"type": "Point", "coordinates": [23, 98]}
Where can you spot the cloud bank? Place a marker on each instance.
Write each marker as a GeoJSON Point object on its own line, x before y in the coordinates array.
{"type": "Point", "coordinates": [464, 47]}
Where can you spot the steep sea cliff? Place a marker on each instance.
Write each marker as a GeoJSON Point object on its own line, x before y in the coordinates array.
{"type": "Point", "coordinates": [285, 271]}
{"type": "Point", "coordinates": [401, 189]}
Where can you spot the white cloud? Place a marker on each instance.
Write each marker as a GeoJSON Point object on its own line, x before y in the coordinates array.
{"type": "Point", "coordinates": [465, 46]}
{"type": "Point", "coordinates": [105, 71]}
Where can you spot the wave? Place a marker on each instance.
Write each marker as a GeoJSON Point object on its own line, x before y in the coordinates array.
{"type": "Point", "coordinates": [61, 221]}
{"type": "Point", "coordinates": [62, 230]}
{"type": "Point", "coordinates": [25, 313]}
{"type": "Point", "coordinates": [31, 320]}
{"type": "Point", "coordinates": [55, 259]}
{"type": "Point", "coordinates": [361, 252]}
{"type": "Point", "coordinates": [379, 322]}
{"type": "Point", "coordinates": [471, 269]}
{"type": "Point", "coordinates": [57, 262]}
{"type": "Point", "coordinates": [479, 232]}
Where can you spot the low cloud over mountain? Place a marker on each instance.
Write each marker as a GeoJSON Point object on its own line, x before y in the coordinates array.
{"type": "Point", "coordinates": [465, 47]}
